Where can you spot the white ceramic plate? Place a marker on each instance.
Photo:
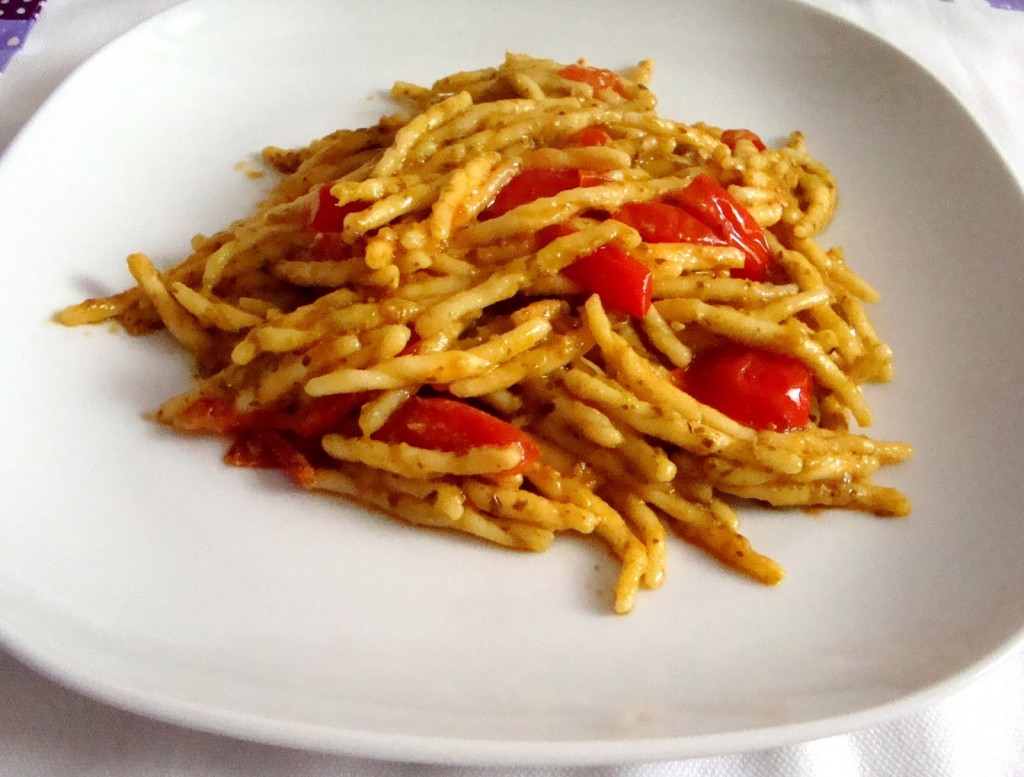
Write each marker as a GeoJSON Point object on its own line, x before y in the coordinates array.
{"type": "Point", "coordinates": [135, 567]}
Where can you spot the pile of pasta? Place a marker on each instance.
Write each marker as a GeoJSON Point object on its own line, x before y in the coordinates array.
{"type": "Point", "coordinates": [395, 324]}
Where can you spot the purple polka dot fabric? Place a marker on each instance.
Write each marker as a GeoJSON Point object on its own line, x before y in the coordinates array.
{"type": "Point", "coordinates": [16, 19]}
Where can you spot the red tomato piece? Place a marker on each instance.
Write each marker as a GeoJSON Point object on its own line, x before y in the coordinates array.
{"type": "Point", "coordinates": [539, 182]}
{"type": "Point", "coordinates": [328, 215]}
{"type": "Point", "coordinates": [443, 424]}
{"type": "Point", "coordinates": [589, 136]}
{"type": "Point", "coordinates": [622, 282]}
{"type": "Point", "coordinates": [706, 199]}
{"type": "Point", "coordinates": [598, 78]}
{"type": "Point", "coordinates": [661, 222]}
{"type": "Point", "coordinates": [733, 136]}
{"type": "Point", "coordinates": [552, 232]}
{"type": "Point", "coordinates": [270, 439]}
{"type": "Point", "coordinates": [316, 415]}
{"type": "Point", "coordinates": [761, 389]}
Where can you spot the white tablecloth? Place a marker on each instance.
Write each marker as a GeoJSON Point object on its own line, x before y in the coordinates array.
{"type": "Point", "coordinates": [975, 47]}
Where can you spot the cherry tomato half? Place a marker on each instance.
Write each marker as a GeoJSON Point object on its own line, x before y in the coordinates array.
{"type": "Point", "coordinates": [328, 215]}
{"type": "Point", "coordinates": [539, 182]}
{"type": "Point", "coordinates": [761, 389]}
{"type": "Point", "coordinates": [443, 424]}
{"type": "Point", "coordinates": [708, 201]}
{"type": "Point", "coordinates": [661, 222]}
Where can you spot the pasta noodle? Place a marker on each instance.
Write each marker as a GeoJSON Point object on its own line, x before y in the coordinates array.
{"type": "Point", "coordinates": [515, 308]}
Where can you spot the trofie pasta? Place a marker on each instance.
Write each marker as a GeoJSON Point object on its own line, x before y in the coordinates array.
{"type": "Point", "coordinates": [526, 305]}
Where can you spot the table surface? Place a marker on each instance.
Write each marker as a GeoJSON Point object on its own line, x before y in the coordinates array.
{"type": "Point", "coordinates": [975, 47]}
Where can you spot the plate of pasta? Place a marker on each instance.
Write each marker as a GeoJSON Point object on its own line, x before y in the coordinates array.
{"type": "Point", "coordinates": [530, 400]}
